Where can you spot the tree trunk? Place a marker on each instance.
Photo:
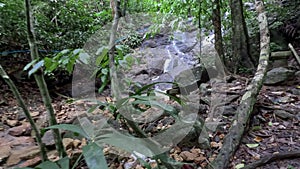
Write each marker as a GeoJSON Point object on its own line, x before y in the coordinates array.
{"type": "Point", "coordinates": [216, 18]}
{"type": "Point", "coordinates": [240, 40]}
{"type": "Point", "coordinates": [232, 139]}
{"type": "Point", "coordinates": [39, 78]}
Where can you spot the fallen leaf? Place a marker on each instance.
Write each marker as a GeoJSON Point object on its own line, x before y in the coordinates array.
{"type": "Point", "coordinates": [258, 139]}
{"type": "Point", "coordinates": [188, 156]}
{"type": "Point", "coordinates": [252, 145]}
{"type": "Point", "coordinates": [239, 166]}
{"type": "Point", "coordinates": [68, 143]}
{"type": "Point", "coordinates": [215, 144]}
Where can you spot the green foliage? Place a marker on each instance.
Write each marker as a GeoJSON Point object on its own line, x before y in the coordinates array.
{"type": "Point", "coordinates": [58, 24]}
{"type": "Point", "coordinates": [94, 157]}
{"type": "Point", "coordinates": [122, 58]}
{"type": "Point", "coordinates": [66, 24]}
{"type": "Point", "coordinates": [12, 24]}
{"type": "Point", "coordinates": [64, 60]}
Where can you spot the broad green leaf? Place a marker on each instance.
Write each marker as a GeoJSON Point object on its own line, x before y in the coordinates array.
{"type": "Point", "coordinates": [37, 66]}
{"type": "Point", "coordinates": [48, 164]}
{"type": "Point", "coordinates": [102, 52]}
{"type": "Point", "coordinates": [88, 127]}
{"type": "Point", "coordinates": [94, 157]}
{"type": "Point", "coordinates": [47, 62]}
{"type": "Point", "coordinates": [70, 127]}
{"type": "Point", "coordinates": [252, 145]}
{"type": "Point", "coordinates": [128, 143]}
{"type": "Point", "coordinates": [64, 163]}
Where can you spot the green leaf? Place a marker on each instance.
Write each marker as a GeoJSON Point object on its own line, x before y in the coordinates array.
{"type": "Point", "coordinates": [70, 127]}
{"type": "Point", "coordinates": [76, 51]}
{"type": "Point", "coordinates": [48, 165]}
{"type": "Point", "coordinates": [252, 145]}
{"type": "Point", "coordinates": [30, 64]}
{"type": "Point", "coordinates": [36, 67]}
{"type": "Point", "coordinates": [94, 157]}
{"type": "Point", "coordinates": [93, 108]}
{"type": "Point", "coordinates": [239, 166]}
{"type": "Point", "coordinates": [104, 71]}
{"type": "Point", "coordinates": [47, 62]}
{"type": "Point", "coordinates": [102, 52]}
{"type": "Point", "coordinates": [64, 163]}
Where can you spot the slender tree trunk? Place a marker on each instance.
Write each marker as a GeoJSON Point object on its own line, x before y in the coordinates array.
{"type": "Point", "coordinates": [216, 18]}
{"type": "Point", "coordinates": [26, 112]}
{"type": "Point", "coordinates": [39, 78]}
{"type": "Point", "coordinates": [240, 39]}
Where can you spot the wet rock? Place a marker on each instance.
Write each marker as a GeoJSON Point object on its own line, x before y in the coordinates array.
{"type": "Point", "coordinates": [278, 75]}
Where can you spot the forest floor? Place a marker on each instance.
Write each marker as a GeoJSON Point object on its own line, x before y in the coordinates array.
{"type": "Point", "coordinates": [273, 128]}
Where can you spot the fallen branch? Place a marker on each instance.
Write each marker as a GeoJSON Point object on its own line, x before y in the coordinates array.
{"type": "Point", "coordinates": [232, 139]}
{"type": "Point", "coordinates": [295, 53]}
{"type": "Point", "coordinates": [273, 157]}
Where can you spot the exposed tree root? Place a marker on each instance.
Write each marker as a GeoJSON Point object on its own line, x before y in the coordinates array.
{"type": "Point", "coordinates": [273, 157]}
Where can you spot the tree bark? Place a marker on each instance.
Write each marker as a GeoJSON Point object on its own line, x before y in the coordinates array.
{"type": "Point", "coordinates": [216, 18]}
{"type": "Point", "coordinates": [232, 139]}
{"type": "Point", "coordinates": [240, 39]}
{"type": "Point", "coordinates": [39, 78]}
